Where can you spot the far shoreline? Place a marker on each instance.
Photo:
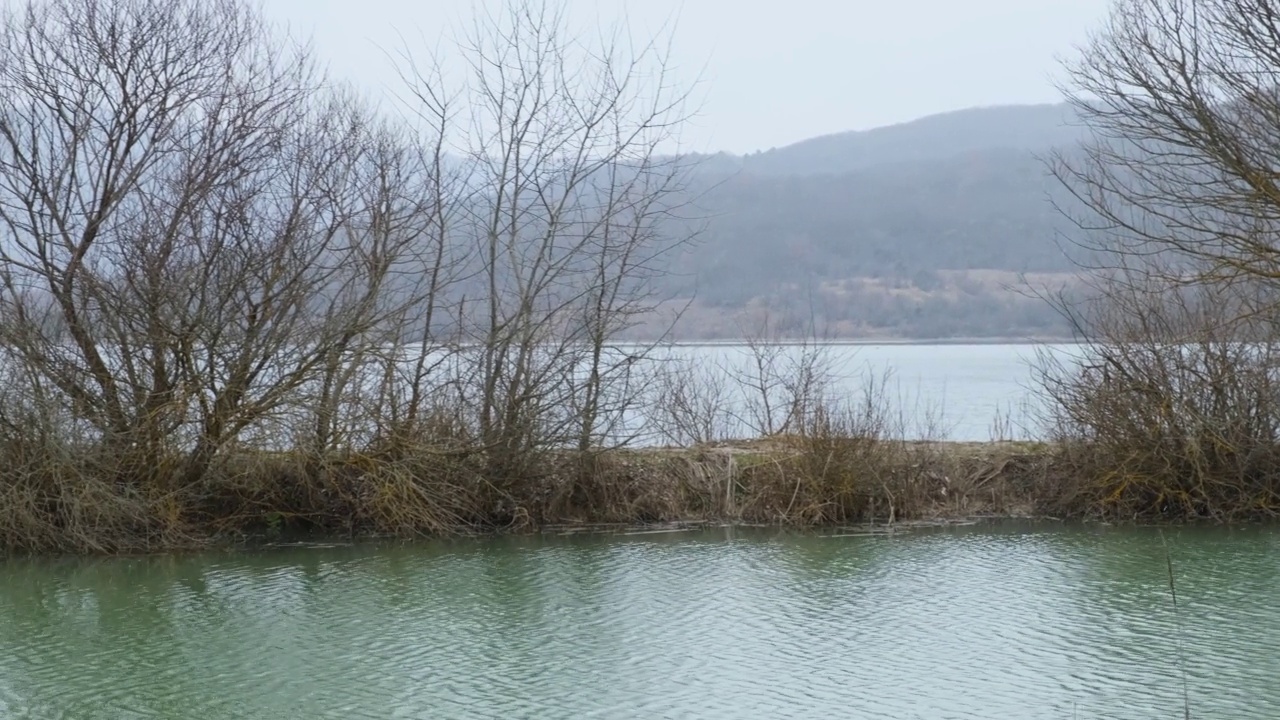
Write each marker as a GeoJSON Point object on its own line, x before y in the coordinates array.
{"type": "Point", "coordinates": [865, 342]}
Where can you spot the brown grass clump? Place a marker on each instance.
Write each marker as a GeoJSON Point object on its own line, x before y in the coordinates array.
{"type": "Point", "coordinates": [807, 480]}
{"type": "Point", "coordinates": [837, 480]}
{"type": "Point", "coordinates": [1150, 430]}
{"type": "Point", "coordinates": [629, 487]}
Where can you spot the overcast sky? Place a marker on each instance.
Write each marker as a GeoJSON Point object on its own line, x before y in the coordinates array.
{"type": "Point", "coordinates": [774, 71]}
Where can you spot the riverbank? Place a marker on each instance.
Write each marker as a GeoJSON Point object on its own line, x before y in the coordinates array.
{"type": "Point", "coordinates": [802, 481]}
{"type": "Point", "coordinates": [791, 481]}
{"type": "Point", "coordinates": [887, 340]}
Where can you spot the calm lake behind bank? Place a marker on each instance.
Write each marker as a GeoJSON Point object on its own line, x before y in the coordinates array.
{"type": "Point", "coordinates": [962, 392]}
{"type": "Point", "coordinates": [1006, 621]}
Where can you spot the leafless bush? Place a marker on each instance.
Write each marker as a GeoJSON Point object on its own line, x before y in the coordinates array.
{"type": "Point", "coordinates": [850, 461]}
{"type": "Point", "coordinates": [784, 384]}
{"type": "Point", "coordinates": [692, 404]}
{"type": "Point", "coordinates": [1171, 408]}
{"type": "Point", "coordinates": [1158, 423]}
{"type": "Point", "coordinates": [765, 388]}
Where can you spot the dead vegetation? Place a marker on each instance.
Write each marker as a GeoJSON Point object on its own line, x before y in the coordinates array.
{"type": "Point", "coordinates": [236, 301]}
{"type": "Point", "coordinates": [1170, 411]}
{"type": "Point", "coordinates": [805, 481]}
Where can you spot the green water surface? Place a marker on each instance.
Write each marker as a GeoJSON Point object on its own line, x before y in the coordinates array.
{"type": "Point", "coordinates": [981, 622]}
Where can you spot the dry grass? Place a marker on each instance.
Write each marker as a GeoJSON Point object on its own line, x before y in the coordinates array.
{"type": "Point", "coordinates": [800, 480]}
{"type": "Point", "coordinates": [1164, 431]}
{"type": "Point", "coordinates": [828, 463]}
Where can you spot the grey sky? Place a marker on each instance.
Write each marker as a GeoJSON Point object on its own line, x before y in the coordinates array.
{"type": "Point", "coordinates": [776, 71]}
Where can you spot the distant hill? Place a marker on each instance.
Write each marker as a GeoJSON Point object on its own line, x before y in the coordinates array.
{"type": "Point", "coordinates": [1022, 127]}
{"type": "Point", "coordinates": [833, 231]}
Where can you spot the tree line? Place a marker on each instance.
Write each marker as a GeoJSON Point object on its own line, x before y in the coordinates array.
{"type": "Point", "coordinates": [231, 290]}
{"type": "Point", "coordinates": [208, 245]}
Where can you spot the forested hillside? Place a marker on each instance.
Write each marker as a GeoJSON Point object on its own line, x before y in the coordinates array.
{"type": "Point", "coordinates": [919, 230]}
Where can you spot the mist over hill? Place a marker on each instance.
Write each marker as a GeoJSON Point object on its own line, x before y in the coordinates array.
{"type": "Point", "coordinates": [928, 229]}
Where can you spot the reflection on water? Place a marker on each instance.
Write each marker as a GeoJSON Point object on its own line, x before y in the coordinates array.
{"type": "Point", "coordinates": [1005, 622]}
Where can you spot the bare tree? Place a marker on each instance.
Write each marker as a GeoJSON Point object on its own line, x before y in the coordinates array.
{"type": "Point", "coordinates": [560, 145]}
{"type": "Point", "coordinates": [1178, 208]}
{"type": "Point", "coordinates": [206, 252]}
{"type": "Point", "coordinates": [1179, 182]}
{"type": "Point", "coordinates": [389, 265]}
{"type": "Point", "coordinates": [187, 240]}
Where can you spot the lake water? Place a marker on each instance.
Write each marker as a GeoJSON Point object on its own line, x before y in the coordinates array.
{"type": "Point", "coordinates": [960, 392]}
{"type": "Point", "coordinates": [1018, 622]}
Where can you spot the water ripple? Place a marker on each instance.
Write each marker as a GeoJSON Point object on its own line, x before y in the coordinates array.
{"type": "Point", "coordinates": [973, 623]}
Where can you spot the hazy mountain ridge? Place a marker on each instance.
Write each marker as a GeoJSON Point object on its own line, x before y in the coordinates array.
{"type": "Point", "coordinates": [921, 205]}
{"type": "Point", "coordinates": [928, 138]}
